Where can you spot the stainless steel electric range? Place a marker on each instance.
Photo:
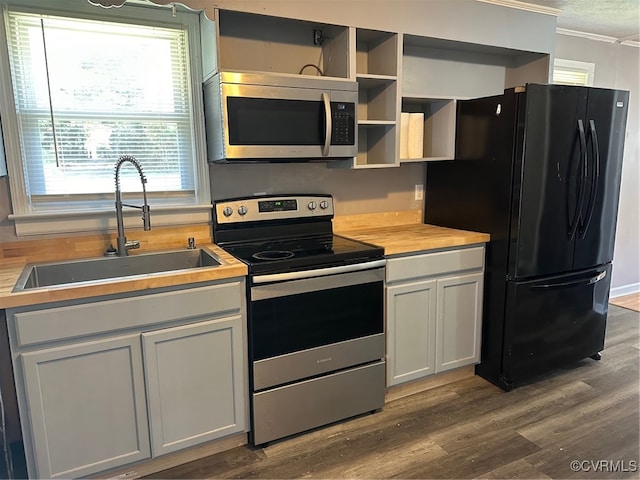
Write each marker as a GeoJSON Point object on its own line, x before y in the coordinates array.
{"type": "Point", "coordinates": [315, 313]}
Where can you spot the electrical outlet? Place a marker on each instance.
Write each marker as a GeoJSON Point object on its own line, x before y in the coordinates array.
{"type": "Point", "coordinates": [419, 192]}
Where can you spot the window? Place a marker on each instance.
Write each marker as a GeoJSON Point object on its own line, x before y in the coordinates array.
{"type": "Point", "coordinates": [572, 72]}
{"type": "Point", "coordinates": [90, 89]}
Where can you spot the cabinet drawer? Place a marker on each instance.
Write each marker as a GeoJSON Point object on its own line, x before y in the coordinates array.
{"type": "Point", "coordinates": [71, 321]}
{"type": "Point", "coordinates": [438, 263]}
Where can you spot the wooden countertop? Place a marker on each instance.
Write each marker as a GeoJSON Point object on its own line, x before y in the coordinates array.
{"type": "Point", "coordinates": [411, 238]}
{"type": "Point", "coordinates": [11, 269]}
{"type": "Point", "coordinates": [397, 232]}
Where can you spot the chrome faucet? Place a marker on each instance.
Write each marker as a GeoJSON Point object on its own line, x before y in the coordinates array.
{"type": "Point", "coordinates": [123, 245]}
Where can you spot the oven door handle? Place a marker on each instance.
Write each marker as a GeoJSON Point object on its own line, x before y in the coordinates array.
{"type": "Point", "coordinates": [320, 272]}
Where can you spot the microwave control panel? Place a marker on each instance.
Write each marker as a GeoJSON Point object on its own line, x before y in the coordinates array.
{"type": "Point", "coordinates": [343, 122]}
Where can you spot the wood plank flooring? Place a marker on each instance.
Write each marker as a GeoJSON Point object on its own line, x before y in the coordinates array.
{"type": "Point", "coordinates": [471, 429]}
{"type": "Point", "coordinates": [631, 301]}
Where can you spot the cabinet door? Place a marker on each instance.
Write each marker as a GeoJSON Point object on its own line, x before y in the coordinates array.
{"type": "Point", "coordinates": [195, 383]}
{"type": "Point", "coordinates": [86, 405]}
{"type": "Point", "coordinates": [459, 321]}
{"type": "Point", "coordinates": [411, 320]}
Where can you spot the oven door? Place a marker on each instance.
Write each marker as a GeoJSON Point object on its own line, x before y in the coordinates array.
{"type": "Point", "coordinates": [309, 326]}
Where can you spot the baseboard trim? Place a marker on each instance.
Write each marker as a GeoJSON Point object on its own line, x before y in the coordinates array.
{"type": "Point", "coordinates": [427, 383]}
{"type": "Point", "coordinates": [624, 290]}
{"type": "Point", "coordinates": [147, 467]}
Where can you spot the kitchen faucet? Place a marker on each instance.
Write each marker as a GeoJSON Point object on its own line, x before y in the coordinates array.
{"type": "Point", "coordinates": [123, 245]}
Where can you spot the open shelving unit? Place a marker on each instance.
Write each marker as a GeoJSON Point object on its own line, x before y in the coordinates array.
{"type": "Point", "coordinates": [260, 43]}
{"type": "Point", "coordinates": [439, 132]}
{"type": "Point", "coordinates": [376, 71]}
{"type": "Point", "coordinates": [396, 72]}
{"type": "Point", "coordinates": [437, 73]}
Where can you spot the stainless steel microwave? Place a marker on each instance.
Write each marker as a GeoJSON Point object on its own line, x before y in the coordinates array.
{"type": "Point", "coordinates": [271, 117]}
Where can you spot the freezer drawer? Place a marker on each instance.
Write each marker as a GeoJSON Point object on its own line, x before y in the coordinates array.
{"type": "Point", "coordinates": [554, 321]}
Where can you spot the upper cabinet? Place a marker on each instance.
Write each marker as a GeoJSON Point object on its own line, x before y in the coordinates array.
{"type": "Point", "coordinates": [259, 43]}
{"type": "Point", "coordinates": [377, 64]}
{"type": "Point", "coordinates": [436, 73]}
{"type": "Point", "coordinates": [408, 83]}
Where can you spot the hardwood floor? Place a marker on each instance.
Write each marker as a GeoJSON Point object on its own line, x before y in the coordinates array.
{"type": "Point", "coordinates": [588, 413]}
{"type": "Point", "coordinates": [631, 301]}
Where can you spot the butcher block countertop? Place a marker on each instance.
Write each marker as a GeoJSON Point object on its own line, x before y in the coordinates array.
{"type": "Point", "coordinates": [11, 270]}
{"type": "Point", "coordinates": [414, 238]}
{"type": "Point", "coordinates": [397, 232]}
{"type": "Point", "coordinates": [403, 232]}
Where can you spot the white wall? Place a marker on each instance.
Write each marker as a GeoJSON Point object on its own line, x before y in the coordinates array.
{"type": "Point", "coordinates": [618, 66]}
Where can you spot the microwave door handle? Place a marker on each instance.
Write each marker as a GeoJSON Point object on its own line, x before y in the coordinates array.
{"type": "Point", "coordinates": [328, 126]}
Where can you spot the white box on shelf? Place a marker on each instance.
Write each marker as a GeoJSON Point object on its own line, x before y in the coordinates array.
{"type": "Point", "coordinates": [416, 135]}
{"type": "Point", "coordinates": [404, 135]}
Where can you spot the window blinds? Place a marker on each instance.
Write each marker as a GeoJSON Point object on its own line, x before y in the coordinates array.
{"type": "Point", "coordinates": [573, 72]}
{"type": "Point", "coordinates": [570, 77]}
{"type": "Point", "coordinates": [87, 92]}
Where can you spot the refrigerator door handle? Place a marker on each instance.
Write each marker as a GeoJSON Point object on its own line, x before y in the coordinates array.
{"type": "Point", "coordinates": [594, 179]}
{"type": "Point", "coordinates": [582, 281]}
{"type": "Point", "coordinates": [582, 173]}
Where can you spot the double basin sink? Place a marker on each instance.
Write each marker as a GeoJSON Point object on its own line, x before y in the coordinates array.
{"type": "Point", "coordinates": [107, 269]}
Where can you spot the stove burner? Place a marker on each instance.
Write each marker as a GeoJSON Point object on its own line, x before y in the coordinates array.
{"type": "Point", "coordinates": [273, 255]}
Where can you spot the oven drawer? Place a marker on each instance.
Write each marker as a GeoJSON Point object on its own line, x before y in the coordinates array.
{"type": "Point", "coordinates": [301, 406]}
{"type": "Point", "coordinates": [315, 361]}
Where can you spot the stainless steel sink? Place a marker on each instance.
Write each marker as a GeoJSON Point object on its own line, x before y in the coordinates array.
{"type": "Point", "coordinates": [74, 272]}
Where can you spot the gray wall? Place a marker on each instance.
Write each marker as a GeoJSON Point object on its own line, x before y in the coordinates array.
{"type": "Point", "coordinates": [460, 20]}
{"type": "Point", "coordinates": [379, 189]}
{"type": "Point", "coordinates": [617, 66]}
{"type": "Point", "coordinates": [354, 191]}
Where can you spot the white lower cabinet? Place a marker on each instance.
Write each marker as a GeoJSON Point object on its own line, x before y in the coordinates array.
{"type": "Point", "coordinates": [86, 407]}
{"type": "Point", "coordinates": [433, 312]}
{"type": "Point", "coordinates": [411, 331]}
{"type": "Point", "coordinates": [93, 399]}
{"type": "Point", "coordinates": [194, 383]}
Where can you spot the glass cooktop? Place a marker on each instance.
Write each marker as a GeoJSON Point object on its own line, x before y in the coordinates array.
{"type": "Point", "coordinates": [290, 254]}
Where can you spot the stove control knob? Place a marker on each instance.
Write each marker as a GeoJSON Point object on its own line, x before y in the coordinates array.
{"type": "Point", "coordinates": [324, 204]}
{"type": "Point", "coordinates": [242, 210]}
{"type": "Point", "coordinates": [227, 211]}
{"type": "Point", "coordinates": [312, 205]}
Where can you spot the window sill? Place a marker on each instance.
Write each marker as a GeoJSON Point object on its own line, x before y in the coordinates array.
{"type": "Point", "coordinates": [105, 220]}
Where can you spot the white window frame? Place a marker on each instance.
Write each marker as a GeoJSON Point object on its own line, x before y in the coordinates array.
{"type": "Point", "coordinates": [588, 68]}
{"type": "Point", "coordinates": [28, 222]}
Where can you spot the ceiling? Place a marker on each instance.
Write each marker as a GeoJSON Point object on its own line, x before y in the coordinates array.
{"type": "Point", "coordinates": [619, 19]}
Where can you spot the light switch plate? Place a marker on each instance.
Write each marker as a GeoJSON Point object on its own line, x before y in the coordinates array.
{"type": "Point", "coordinates": [419, 192]}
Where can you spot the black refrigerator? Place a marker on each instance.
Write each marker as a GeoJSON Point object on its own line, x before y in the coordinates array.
{"type": "Point", "coordinates": [538, 168]}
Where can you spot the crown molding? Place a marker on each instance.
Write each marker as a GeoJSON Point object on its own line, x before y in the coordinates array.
{"type": "Point", "coordinates": [530, 7]}
{"type": "Point", "coordinates": [597, 37]}
{"type": "Point", "coordinates": [590, 36]}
